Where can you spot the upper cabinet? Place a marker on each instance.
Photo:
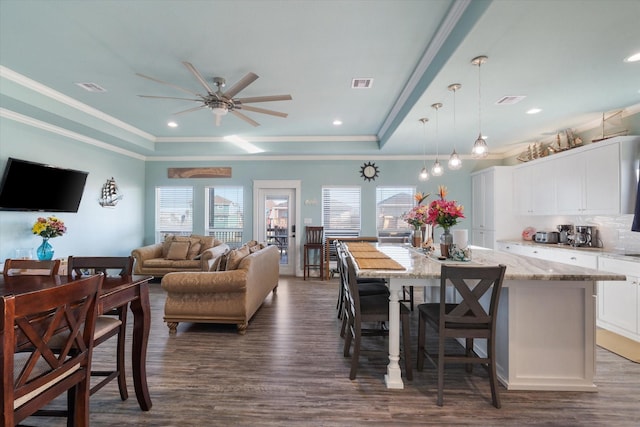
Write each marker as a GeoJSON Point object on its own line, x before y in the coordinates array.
{"type": "Point", "coordinates": [597, 179]}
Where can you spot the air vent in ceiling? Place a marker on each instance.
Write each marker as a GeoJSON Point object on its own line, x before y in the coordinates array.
{"type": "Point", "coordinates": [510, 99]}
{"type": "Point", "coordinates": [91, 87]}
{"type": "Point", "coordinates": [362, 83]}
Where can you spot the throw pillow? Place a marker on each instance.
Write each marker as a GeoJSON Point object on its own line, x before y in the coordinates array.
{"type": "Point", "coordinates": [217, 261]}
{"type": "Point", "coordinates": [252, 243]}
{"type": "Point", "coordinates": [254, 248]}
{"type": "Point", "coordinates": [194, 250]}
{"type": "Point", "coordinates": [178, 250]}
{"type": "Point", "coordinates": [165, 245]}
{"type": "Point", "coordinates": [235, 256]}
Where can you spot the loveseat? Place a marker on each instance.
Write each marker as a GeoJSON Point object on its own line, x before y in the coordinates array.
{"type": "Point", "coordinates": [232, 293]}
{"type": "Point", "coordinates": [177, 253]}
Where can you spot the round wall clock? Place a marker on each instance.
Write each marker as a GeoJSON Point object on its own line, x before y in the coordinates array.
{"type": "Point", "coordinates": [369, 171]}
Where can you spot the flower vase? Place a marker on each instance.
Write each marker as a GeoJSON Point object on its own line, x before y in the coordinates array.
{"type": "Point", "coordinates": [417, 238]}
{"type": "Point", "coordinates": [446, 240]}
{"type": "Point", "coordinates": [45, 250]}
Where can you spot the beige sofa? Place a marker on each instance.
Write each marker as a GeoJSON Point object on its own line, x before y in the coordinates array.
{"type": "Point", "coordinates": [229, 296]}
{"type": "Point", "coordinates": [177, 253]}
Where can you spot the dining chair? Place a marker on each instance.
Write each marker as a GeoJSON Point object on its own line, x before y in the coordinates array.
{"type": "Point", "coordinates": [313, 250]}
{"type": "Point", "coordinates": [366, 286]}
{"type": "Point", "coordinates": [35, 373]}
{"type": "Point", "coordinates": [371, 309]}
{"type": "Point", "coordinates": [19, 266]}
{"type": "Point", "coordinates": [468, 319]}
{"type": "Point", "coordinates": [111, 323]}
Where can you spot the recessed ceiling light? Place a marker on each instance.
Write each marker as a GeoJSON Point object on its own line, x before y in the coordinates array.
{"type": "Point", "coordinates": [534, 111]}
{"type": "Point", "coordinates": [337, 122]}
{"type": "Point", "coordinates": [633, 58]}
{"type": "Point", "coordinates": [172, 124]}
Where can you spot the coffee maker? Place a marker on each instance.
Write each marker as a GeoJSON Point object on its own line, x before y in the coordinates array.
{"type": "Point", "coordinates": [565, 231]}
{"type": "Point", "coordinates": [585, 236]}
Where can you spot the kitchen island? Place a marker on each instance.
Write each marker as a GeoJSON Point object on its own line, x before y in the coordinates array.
{"type": "Point", "coordinates": [546, 316]}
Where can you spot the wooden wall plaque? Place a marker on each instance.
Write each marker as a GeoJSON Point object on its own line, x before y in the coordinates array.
{"type": "Point", "coordinates": [218, 172]}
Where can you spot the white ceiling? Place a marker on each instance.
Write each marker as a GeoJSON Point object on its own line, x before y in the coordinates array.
{"type": "Point", "coordinates": [565, 56]}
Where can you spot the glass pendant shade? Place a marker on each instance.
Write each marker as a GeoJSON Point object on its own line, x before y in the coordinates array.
{"type": "Point", "coordinates": [480, 148]}
{"type": "Point", "coordinates": [437, 169]}
{"type": "Point", "coordinates": [454, 161]}
{"type": "Point", "coordinates": [424, 174]}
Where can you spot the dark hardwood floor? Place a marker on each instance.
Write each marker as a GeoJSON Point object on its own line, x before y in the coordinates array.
{"type": "Point", "coordinates": [289, 370]}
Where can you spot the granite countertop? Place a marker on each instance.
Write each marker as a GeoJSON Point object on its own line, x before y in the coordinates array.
{"type": "Point", "coordinates": [595, 251]}
{"type": "Point", "coordinates": [420, 265]}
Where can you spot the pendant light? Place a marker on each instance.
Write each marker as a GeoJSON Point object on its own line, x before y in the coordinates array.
{"type": "Point", "coordinates": [454, 160]}
{"type": "Point", "coordinates": [437, 169]}
{"type": "Point", "coordinates": [424, 174]}
{"type": "Point", "coordinates": [480, 148]}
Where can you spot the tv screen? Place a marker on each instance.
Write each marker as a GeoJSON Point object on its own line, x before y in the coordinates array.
{"type": "Point", "coordinates": [30, 186]}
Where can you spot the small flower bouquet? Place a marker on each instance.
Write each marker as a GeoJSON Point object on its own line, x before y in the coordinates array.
{"type": "Point", "coordinates": [417, 216]}
{"type": "Point", "coordinates": [49, 227]}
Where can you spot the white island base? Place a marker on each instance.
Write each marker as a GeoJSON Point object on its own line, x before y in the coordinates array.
{"type": "Point", "coordinates": [545, 334]}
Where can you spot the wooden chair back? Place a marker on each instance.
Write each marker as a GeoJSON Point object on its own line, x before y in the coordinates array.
{"type": "Point", "coordinates": [314, 235]}
{"type": "Point", "coordinates": [33, 372]}
{"type": "Point", "coordinates": [120, 265]}
{"type": "Point", "coordinates": [35, 267]}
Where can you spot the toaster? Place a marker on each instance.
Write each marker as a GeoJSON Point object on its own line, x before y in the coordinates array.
{"type": "Point", "coordinates": [547, 237]}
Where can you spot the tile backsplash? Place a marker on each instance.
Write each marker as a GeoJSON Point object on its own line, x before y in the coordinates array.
{"type": "Point", "coordinates": [614, 232]}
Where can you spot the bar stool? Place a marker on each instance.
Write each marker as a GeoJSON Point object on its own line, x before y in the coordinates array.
{"type": "Point", "coordinates": [314, 245]}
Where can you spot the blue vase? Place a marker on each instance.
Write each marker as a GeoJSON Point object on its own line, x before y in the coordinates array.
{"type": "Point", "coordinates": [45, 250]}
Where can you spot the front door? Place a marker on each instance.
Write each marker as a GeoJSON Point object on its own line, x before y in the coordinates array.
{"type": "Point", "coordinates": [275, 219]}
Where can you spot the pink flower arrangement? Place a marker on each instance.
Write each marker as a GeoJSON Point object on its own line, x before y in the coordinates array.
{"type": "Point", "coordinates": [417, 216]}
{"type": "Point", "coordinates": [442, 212]}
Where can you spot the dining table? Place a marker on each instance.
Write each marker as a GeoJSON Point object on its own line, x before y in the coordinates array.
{"type": "Point", "coordinates": [115, 292]}
{"type": "Point", "coordinates": [546, 315]}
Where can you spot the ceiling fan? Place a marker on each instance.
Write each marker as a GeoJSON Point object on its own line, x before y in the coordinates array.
{"type": "Point", "coordinates": [221, 103]}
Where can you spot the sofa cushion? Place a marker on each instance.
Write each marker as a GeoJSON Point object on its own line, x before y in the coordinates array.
{"type": "Point", "coordinates": [178, 250]}
{"type": "Point", "coordinates": [235, 256]}
{"type": "Point", "coordinates": [206, 241]}
{"type": "Point", "coordinates": [220, 254]}
{"type": "Point", "coordinates": [180, 264]}
{"type": "Point", "coordinates": [165, 245]}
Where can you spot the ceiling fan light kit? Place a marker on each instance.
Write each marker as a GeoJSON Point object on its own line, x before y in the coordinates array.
{"type": "Point", "coordinates": [220, 103]}
{"type": "Point", "coordinates": [480, 148]}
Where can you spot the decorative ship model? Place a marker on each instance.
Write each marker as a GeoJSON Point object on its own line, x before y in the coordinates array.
{"type": "Point", "coordinates": [110, 194]}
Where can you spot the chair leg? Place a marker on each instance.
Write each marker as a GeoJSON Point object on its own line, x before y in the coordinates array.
{"type": "Point", "coordinates": [355, 357]}
{"type": "Point", "coordinates": [406, 339]}
{"type": "Point", "coordinates": [440, 369]}
{"type": "Point", "coordinates": [120, 358]}
{"type": "Point", "coordinates": [493, 380]}
{"type": "Point", "coordinates": [421, 342]}
{"type": "Point", "coordinates": [469, 353]}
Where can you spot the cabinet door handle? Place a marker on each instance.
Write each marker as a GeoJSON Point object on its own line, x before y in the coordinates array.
{"type": "Point", "coordinates": [535, 252]}
{"type": "Point", "coordinates": [573, 258]}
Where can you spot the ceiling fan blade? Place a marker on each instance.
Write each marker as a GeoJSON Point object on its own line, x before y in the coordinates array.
{"type": "Point", "coordinates": [168, 84]}
{"type": "Point", "coordinates": [263, 111]}
{"type": "Point", "coordinates": [245, 118]}
{"type": "Point", "coordinates": [263, 99]}
{"type": "Point", "coordinates": [218, 119]}
{"type": "Point", "coordinates": [244, 82]}
{"type": "Point", "coordinates": [190, 110]}
{"type": "Point", "coordinates": [168, 97]}
{"type": "Point", "coordinates": [198, 76]}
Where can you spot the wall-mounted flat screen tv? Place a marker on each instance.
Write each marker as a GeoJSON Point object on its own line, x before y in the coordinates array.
{"type": "Point", "coordinates": [31, 186]}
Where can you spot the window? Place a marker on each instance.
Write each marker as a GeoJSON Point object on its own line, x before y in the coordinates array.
{"type": "Point", "coordinates": [174, 211]}
{"type": "Point", "coordinates": [341, 211]}
{"type": "Point", "coordinates": [391, 204]}
{"type": "Point", "coordinates": [224, 214]}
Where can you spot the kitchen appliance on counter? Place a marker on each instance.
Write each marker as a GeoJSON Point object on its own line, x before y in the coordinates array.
{"type": "Point", "coordinates": [585, 236]}
{"type": "Point", "coordinates": [565, 231]}
{"type": "Point", "coordinates": [547, 237]}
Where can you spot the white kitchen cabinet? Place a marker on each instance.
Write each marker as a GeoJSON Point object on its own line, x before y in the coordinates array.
{"type": "Point", "coordinates": [491, 206]}
{"type": "Point", "coordinates": [535, 188]}
{"type": "Point", "coordinates": [619, 301]}
{"type": "Point", "coordinates": [589, 181]}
